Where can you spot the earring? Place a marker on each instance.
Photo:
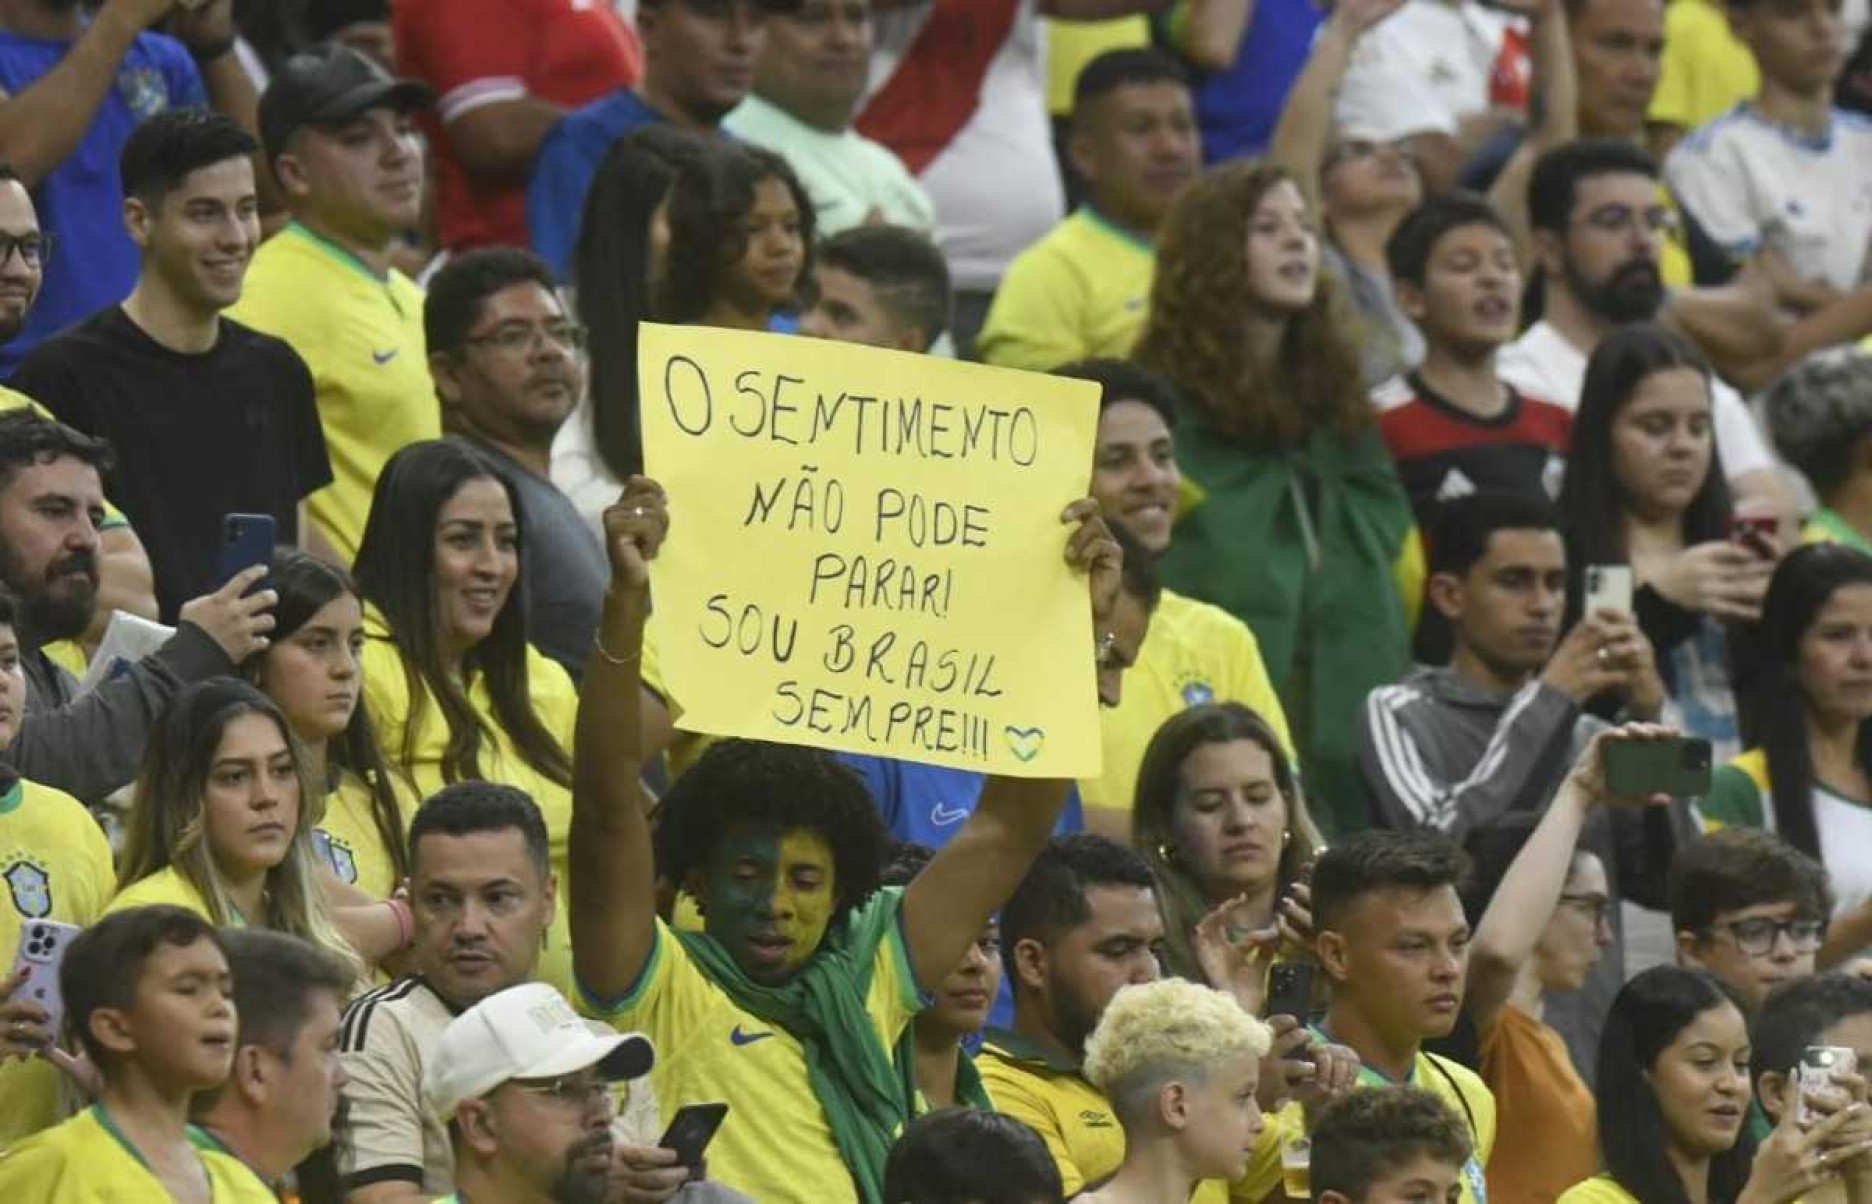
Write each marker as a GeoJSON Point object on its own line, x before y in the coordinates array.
{"type": "Point", "coordinates": [1166, 854]}
{"type": "Point", "coordinates": [1286, 837]}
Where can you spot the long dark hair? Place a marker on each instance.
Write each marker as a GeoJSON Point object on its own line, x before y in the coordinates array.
{"type": "Point", "coordinates": [1776, 710]}
{"type": "Point", "coordinates": [305, 584]}
{"type": "Point", "coordinates": [1592, 501]}
{"type": "Point", "coordinates": [1646, 1017]}
{"type": "Point", "coordinates": [708, 203]}
{"type": "Point", "coordinates": [1160, 781]}
{"type": "Point", "coordinates": [611, 271]}
{"type": "Point", "coordinates": [396, 570]}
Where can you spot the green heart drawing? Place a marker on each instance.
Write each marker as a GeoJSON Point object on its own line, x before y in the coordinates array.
{"type": "Point", "coordinates": [1025, 742]}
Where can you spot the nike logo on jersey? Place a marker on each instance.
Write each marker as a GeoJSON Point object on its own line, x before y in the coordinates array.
{"type": "Point", "coordinates": [740, 1038]}
{"type": "Point", "coordinates": [943, 816]}
{"type": "Point", "coordinates": [384, 357]}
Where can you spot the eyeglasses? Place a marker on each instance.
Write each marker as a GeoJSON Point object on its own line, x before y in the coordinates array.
{"type": "Point", "coordinates": [1756, 937]}
{"type": "Point", "coordinates": [33, 249]}
{"type": "Point", "coordinates": [1596, 908]}
{"type": "Point", "coordinates": [1622, 219]}
{"type": "Point", "coordinates": [577, 1091]}
{"type": "Point", "coordinates": [513, 338]}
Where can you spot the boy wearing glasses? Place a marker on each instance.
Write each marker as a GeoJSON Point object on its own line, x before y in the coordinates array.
{"type": "Point", "coordinates": [338, 137]}
{"type": "Point", "coordinates": [1748, 907]}
{"type": "Point", "coordinates": [508, 367]}
{"type": "Point", "coordinates": [524, 1086]}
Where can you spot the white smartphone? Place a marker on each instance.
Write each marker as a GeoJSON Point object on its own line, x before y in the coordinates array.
{"type": "Point", "coordinates": [1818, 1065]}
{"type": "Point", "coordinates": [1608, 587]}
{"type": "Point", "coordinates": [41, 951]}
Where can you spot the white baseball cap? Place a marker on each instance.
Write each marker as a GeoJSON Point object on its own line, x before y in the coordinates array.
{"type": "Point", "coordinates": [525, 1032]}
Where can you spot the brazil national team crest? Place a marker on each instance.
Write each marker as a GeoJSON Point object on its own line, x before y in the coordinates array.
{"type": "Point", "coordinates": [337, 855]}
{"type": "Point", "coordinates": [1197, 693]}
{"type": "Point", "coordinates": [31, 889]}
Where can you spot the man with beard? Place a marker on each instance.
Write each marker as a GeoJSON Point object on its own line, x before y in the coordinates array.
{"type": "Point", "coordinates": [1081, 926]}
{"type": "Point", "coordinates": [51, 508]}
{"type": "Point", "coordinates": [72, 88]}
{"type": "Point", "coordinates": [1600, 224]}
{"type": "Point", "coordinates": [506, 360]}
{"type": "Point", "coordinates": [280, 1100]}
{"type": "Point", "coordinates": [524, 1086]}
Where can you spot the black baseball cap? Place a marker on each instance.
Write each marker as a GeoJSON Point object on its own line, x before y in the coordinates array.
{"type": "Point", "coordinates": [331, 84]}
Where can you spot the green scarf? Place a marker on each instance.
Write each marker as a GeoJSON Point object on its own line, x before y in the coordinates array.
{"type": "Point", "coordinates": [969, 1091]}
{"type": "Point", "coordinates": [1299, 545]}
{"type": "Point", "coordinates": [823, 1008]}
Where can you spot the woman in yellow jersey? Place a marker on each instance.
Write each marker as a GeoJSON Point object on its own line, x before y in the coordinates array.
{"type": "Point", "coordinates": [1180, 1063]}
{"type": "Point", "coordinates": [220, 825]}
{"type": "Point", "coordinates": [456, 692]}
{"type": "Point", "coordinates": [312, 669]}
{"type": "Point", "coordinates": [1673, 1090]}
{"type": "Point", "coordinates": [1221, 820]}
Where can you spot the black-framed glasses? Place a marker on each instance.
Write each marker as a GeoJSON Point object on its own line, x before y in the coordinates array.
{"type": "Point", "coordinates": [1757, 935]}
{"type": "Point", "coordinates": [573, 1090]}
{"type": "Point", "coordinates": [513, 338]}
{"type": "Point", "coordinates": [33, 249]}
{"type": "Point", "coordinates": [1596, 908]}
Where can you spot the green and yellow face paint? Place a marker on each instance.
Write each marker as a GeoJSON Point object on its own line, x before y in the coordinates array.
{"type": "Point", "coordinates": [768, 897]}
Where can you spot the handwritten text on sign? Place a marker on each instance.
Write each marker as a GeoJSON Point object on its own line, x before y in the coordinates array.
{"type": "Point", "coordinates": [866, 552]}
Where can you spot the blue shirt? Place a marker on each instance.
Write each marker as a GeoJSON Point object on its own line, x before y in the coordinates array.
{"type": "Point", "coordinates": [568, 160]}
{"type": "Point", "coordinates": [1236, 108]}
{"type": "Point", "coordinates": [94, 264]}
{"type": "Point", "coordinates": [928, 804]}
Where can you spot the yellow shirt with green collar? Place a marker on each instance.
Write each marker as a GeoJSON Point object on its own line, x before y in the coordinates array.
{"type": "Point", "coordinates": [348, 841]}
{"type": "Point", "coordinates": [166, 885]}
{"type": "Point", "coordinates": [776, 1145]}
{"type": "Point", "coordinates": [1081, 291]}
{"type": "Point", "coordinates": [555, 701]}
{"type": "Point", "coordinates": [1076, 1121]}
{"type": "Point", "coordinates": [1827, 526]}
{"type": "Point", "coordinates": [87, 1160]}
{"type": "Point", "coordinates": [57, 866]}
{"type": "Point", "coordinates": [1192, 653]}
{"type": "Point", "coordinates": [1467, 1096]}
{"type": "Point", "coordinates": [362, 337]}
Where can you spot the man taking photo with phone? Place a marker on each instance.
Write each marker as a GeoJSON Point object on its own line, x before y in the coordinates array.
{"type": "Point", "coordinates": [1458, 746]}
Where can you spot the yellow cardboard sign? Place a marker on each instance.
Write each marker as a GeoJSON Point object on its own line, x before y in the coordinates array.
{"type": "Point", "coordinates": [865, 550]}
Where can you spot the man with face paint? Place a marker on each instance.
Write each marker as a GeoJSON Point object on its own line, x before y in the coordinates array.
{"type": "Point", "coordinates": [788, 1005]}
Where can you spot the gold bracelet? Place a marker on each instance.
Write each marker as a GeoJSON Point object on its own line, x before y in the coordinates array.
{"type": "Point", "coordinates": [615, 660]}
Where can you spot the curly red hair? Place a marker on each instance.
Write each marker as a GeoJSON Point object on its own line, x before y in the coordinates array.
{"type": "Point", "coordinates": [1194, 334]}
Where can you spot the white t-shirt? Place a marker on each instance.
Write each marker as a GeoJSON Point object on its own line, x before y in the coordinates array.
{"type": "Point", "coordinates": [1424, 69]}
{"type": "Point", "coordinates": [1742, 176]}
{"type": "Point", "coordinates": [996, 184]}
{"type": "Point", "coordinates": [1543, 363]}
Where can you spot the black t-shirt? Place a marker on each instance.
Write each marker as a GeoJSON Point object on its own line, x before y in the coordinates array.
{"type": "Point", "coordinates": [197, 437]}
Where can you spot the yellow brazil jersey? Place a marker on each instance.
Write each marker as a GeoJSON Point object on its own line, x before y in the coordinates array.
{"type": "Point", "coordinates": [1081, 291]}
{"type": "Point", "coordinates": [86, 1160]}
{"type": "Point", "coordinates": [1081, 1131]}
{"type": "Point", "coordinates": [1468, 1098]}
{"type": "Point", "coordinates": [1706, 71]}
{"type": "Point", "coordinates": [775, 1145]}
{"type": "Point", "coordinates": [555, 700]}
{"type": "Point", "coordinates": [362, 337]}
{"type": "Point", "coordinates": [166, 885]}
{"type": "Point", "coordinates": [1192, 653]}
{"type": "Point", "coordinates": [57, 866]}
{"type": "Point", "coordinates": [1600, 1189]}
{"type": "Point", "coordinates": [349, 842]}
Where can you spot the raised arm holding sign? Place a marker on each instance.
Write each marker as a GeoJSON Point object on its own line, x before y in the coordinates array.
{"type": "Point", "coordinates": [787, 1006]}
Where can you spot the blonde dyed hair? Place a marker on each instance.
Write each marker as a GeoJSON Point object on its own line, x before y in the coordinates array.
{"type": "Point", "coordinates": [1154, 1032]}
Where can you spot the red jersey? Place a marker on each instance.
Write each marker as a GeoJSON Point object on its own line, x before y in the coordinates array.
{"type": "Point", "coordinates": [479, 52]}
{"type": "Point", "coordinates": [1443, 452]}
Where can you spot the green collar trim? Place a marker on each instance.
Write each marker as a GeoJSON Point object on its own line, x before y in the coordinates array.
{"type": "Point", "coordinates": [1025, 1049]}
{"type": "Point", "coordinates": [15, 795]}
{"type": "Point", "coordinates": [343, 254]}
{"type": "Point", "coordinates": [1115, 230]}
